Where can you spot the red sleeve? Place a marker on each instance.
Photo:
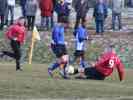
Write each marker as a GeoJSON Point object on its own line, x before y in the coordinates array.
{"type": "Point", "coordinates": [21, 35]}
{"type": "Point", "coordinates": [9, 32]}
{"type": "Point", "coordinates": [120, 68]}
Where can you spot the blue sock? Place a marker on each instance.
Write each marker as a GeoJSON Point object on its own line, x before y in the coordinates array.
{"type": "Point", "coordinates": [54, 66]}
{"type": "Point", "coordinates": [82, 64]}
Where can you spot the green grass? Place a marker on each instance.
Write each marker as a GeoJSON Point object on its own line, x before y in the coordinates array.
{"type": "Point", "coordinates": [34, 82]}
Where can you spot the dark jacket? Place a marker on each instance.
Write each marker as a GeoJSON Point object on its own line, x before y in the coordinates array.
{"type": "Point", "coordinates": [3, 6]}
{"type": "Point", "coordinates": [23, 2]}
{"type": "Point", "coordinates": [100, 11]}
{"type": "Point", "coordinates": [62, 10]}
{"type": "Point", "coordinates": [81, 8]}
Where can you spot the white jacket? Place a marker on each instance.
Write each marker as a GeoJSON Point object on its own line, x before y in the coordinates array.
{"type": "Point", "coordinates": [11, 2]}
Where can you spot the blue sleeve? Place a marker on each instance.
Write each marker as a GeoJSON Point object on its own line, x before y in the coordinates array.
{"type": "Point", "coordinates": [55, 36]}
{"type": "Point", "coordinates": [82, 35]}
{"type": "Point", "coordinates": [61, 36]}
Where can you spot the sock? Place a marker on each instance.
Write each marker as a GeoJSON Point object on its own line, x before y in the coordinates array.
{"type": "Point", "coordinates": [54, 66]}
{"type": "Point", "coordinates": [82, 63]}
{"type": "Point", "coordinates": [63, 72]}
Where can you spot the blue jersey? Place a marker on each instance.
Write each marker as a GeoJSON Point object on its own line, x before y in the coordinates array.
{"type": "Point", "coordinates": [81, 36]}
{"type": "Point", "coordinates": [58, 35]}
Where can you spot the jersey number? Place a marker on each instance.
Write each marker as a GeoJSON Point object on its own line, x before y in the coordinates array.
{"type": "Point", "coordinates": [111, 63]}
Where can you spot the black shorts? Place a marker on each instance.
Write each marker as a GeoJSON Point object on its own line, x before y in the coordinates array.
{"type": "Point", "coordinates": [92, 73]}
{"type": "Point", "coordinates": [78, 53]}
{"type": "Point", "coordinates": [59, 50]}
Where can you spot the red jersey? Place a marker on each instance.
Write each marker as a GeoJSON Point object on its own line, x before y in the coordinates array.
{"type": "Point", "coordinates": [17, 32]}
{"type": "Point", "coordinates": [107, 62]}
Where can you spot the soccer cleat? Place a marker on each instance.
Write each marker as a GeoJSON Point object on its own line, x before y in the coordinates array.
{"type": "Point", "coordinates": [50, 72]}
{"type": "Point", "coordinates": [19, 69]}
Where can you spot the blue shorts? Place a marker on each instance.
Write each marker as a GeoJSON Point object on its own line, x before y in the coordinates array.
{"type": "Point", "coordinates": [92, 73]}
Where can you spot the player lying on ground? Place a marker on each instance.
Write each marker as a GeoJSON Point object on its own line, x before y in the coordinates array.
{"type": "Point", "coordinates": [105, 66]}
{"type": "Point", "coordinates": [59, 49]}
{"type": "Point", "coordinates": [16, 35]}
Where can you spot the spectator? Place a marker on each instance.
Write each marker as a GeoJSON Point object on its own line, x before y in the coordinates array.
{"type": "Point", "coordinates": [63, 11]}
{"type": "Point", "coordinates": [81, 7]}
{"type": "Point", "coordinates": [46, 7]}
{"type": "Point", "coordinates": [116, 13]}
{"type": "Point", "coordinates": [10, 8]}
{"type": "Point", "coordinates": [3, 6]}
{"type": "Point", "coordinates": [31, 9]}
{"type": "Point", "coordinates": [22, 4]}
{"type": "Point", "coordinates": [100, 14]}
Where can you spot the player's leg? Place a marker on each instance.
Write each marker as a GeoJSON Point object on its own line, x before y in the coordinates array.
{"type": "Point", "coordinates": [17, 52]}
{"type": "Point", "coordinates": [56, 64]}
{"type": "Point", "coordinates": [64, 58]}
{"type": "Point", "coordinates": [63, 71]}
{"type": "Point", "coordinates": [52, 67]}
{"type": "Point", "coordinates": [81, 64]}
{"type": "Point", "coordinates": [92, 73]}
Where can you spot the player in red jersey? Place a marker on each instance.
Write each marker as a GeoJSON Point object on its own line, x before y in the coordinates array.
{"type": "Point", "coordinates": [16, 34]}
{"type": "Point", "coordinates": [105, 65]}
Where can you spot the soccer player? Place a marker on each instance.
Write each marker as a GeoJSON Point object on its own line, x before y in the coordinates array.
{"type": "Point", "coordinates": [59, 49]}
{"type": "Point", "coordinates": [105, 66]}
{"type": "Point", "coordinates": [80, 36]}
{"type": "Point", "coordinates": [16, 35]}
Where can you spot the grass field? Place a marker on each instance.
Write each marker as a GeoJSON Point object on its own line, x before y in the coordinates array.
{"type": "Point", "coordinates": [33, 82]}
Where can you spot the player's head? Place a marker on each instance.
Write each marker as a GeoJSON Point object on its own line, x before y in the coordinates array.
{"type": "Point", "coordinates": [62, 1]}
{"type": "Point", "coordinates": [84, 24]}
{"type": "Point", "coordinates": [21, 21]}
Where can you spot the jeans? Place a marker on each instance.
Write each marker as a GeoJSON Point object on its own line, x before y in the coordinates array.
{"type": "Point", "coordinates": [2, 21]}
{"type": "Point", "coordinates": [31, 22]}
{"type": "Point", "coordinates": [11, 10]}
{"type": "Point", "coordinates": [116, 16]}
{"type": "Point", "coordinates": [99, 26]}
{"type": "Point", "coordinates": [23, 10]}
{"type": "Point", "coordinates": [78, 21]}
{"type": "Point", "coordinates": [47, 22]}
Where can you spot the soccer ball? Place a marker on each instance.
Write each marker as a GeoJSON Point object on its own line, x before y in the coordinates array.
{"type": "Point", "coordinates": [70, 69]}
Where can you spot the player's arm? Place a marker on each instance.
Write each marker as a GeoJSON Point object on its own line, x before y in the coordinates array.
{"type": "Point", "coordinates": [9, 32]}
{"type": "Point", "coordinates": [84, 36]}
{"type": "Point", "coordinates": [120, 68]}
